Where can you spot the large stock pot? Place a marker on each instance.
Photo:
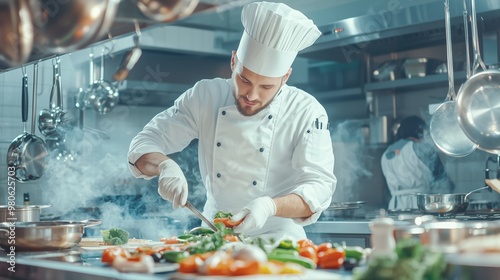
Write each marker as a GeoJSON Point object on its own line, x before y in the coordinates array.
{"type": "Point", "coordinates": [21, 213]}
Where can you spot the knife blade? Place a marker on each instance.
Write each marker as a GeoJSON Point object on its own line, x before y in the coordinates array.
{"type": "Point", "coordinates": [199, 215]}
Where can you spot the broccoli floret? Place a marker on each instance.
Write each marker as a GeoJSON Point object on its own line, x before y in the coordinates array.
{"type": "Point", "coordinates": [115, 236]}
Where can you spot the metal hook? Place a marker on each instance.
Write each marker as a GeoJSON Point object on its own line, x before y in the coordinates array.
{"type": "Point", "coordinates": [23, 69]}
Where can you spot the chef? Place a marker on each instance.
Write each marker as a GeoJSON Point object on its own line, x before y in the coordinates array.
{"type": "Point", "coordinates": [411, 165]}
{"type": "Point", "coordinates": [265, 152]}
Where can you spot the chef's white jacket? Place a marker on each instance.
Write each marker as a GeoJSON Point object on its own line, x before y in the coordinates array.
{"type": "Point", "coordinates": [276, 152]}
{"type": "Point", "coordinates": [412, 167]}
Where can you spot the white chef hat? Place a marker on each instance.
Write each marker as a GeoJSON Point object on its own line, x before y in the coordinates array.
{"type": "Point", "coordinates": [274, 34]}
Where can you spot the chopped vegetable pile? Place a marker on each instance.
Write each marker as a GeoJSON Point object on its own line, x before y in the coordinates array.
{"type": "Point", "coordinates": [207, 252]}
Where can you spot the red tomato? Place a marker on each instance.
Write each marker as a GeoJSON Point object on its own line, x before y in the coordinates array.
{"type": "Point", "coordinates": [306, 243]}
{"type": "Point", "coordinates": [227, 222]}
{"type": "Point", "coordinates": [109, 254]}
{"type": "Point", "coordinates": [331, 258]}
{"type": "Point", "coordinates": [324, 246]}
{"type": "Point", "coordinates": [189, 264]}
{"type": "Point", "coordinates": [170, 240]}
{"type": "Point", "coordinates": [310, 253]}
{"type": "Point", "coordinates": [231, 238]}
{"type": "Point", "coordinates": [239, 267]}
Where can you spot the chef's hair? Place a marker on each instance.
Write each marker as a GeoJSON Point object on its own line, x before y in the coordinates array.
{"type": "Point", "coordinates": [412, 126]}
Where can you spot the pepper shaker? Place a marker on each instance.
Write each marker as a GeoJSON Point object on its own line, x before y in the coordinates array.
{"type": "Point", "coordinates": [382, 238]}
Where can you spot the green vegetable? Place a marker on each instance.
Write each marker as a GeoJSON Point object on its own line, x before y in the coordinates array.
{"type": "Point", "coordinates": [305, 262]}
{"type": "Point", "coordinates": [281, 251]}
{"type": "Point", "coordinates": [221, 214]}
{"type": "Point", "coordinates": [115, 236]}
{"type": "Point", "coordinates": [355, 252]}
{"type": "Point", "coordinates": [286, 244]}
{"type": "Point", "coordinates": [174, 256]}
{"type": "Point", "coordinates": [201, 231]}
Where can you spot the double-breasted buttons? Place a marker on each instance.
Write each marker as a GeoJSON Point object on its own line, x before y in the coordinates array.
{"type": "Point", "coordinates": [261, 150]}
{"type": "Point", "coordinates": [254, 183]}
{"type": "Point", "coordinates": [219, 175]}
{"type": "Point", "coordinates": [218, 144]}
{"type": "Point", "coordinates": [223, 113]}
{"type": "Point", "coordinates": [270, 116]}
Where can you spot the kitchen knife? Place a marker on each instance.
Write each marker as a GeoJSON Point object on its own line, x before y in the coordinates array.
{"type": "Point", "coordinates": [199, 215]}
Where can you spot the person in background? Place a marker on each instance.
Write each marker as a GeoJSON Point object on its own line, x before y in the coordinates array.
{"type": "Point", "coordinates": [411, 165]}
{"type": "Point", "coordinates": [264, 149]}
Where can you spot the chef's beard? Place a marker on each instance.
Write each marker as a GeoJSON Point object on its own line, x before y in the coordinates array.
{"type": "Point", "coordinates": [246, 110]}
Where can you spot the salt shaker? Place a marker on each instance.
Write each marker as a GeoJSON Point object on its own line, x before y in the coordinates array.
{"type": "Point", "coordinates": [382, 238]}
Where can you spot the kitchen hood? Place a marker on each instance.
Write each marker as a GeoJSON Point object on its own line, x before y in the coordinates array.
{"type": "Point", "coordinates": [381, 27]}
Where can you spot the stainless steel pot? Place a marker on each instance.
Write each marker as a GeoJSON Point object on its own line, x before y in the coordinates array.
{"type": "Point", "coordinates": [40, 236]}
{"type": "Point", "coordinates": [64, 26]}
{"type": "Point", "coordinates": [21, 213]}
{"type": "Point", "coordinates": [16, 31]}
{"type": "Point", "coordinates": [444, 204]}
{"type": "Point", "coordinates": [166, 10]}
{"type": "Point", "coordinates": [446, 236]}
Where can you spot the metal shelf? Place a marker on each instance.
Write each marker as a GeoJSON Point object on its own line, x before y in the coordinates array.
{"type": "Point", "coordinates": [348, 93]}
{"type": "Point", "coordinates": [415, 83]}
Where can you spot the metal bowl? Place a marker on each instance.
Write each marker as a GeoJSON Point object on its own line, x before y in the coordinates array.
{"type": "Point", "coordinates": [45, 235]}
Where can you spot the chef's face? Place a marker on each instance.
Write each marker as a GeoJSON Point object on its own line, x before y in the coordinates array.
{"type": "Point", "coordinates": [253, 92]}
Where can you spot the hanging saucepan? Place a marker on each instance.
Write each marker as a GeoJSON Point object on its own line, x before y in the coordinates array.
{"type": "Point", "coordinates": [50, 119]}
{"type": "Point", "coordinates": [130, 58]}
{"type": "Point", "coordinates": [16, 31]}
{"type": "Point", "coordinates": [103, 95]}
{"type": "Point", "coordinates": [45, 235]}
{"type": "Point", "coordinates": [478, 102]}
{"type": "Point", "coordinates": [443, 127]}
{"type": "Point", "coordinates": [444, 204]}
{"type": "Point", "coordinates": [72, 25]}
{"type": "Point", "coordinates": [27, 154]}
{"type": "Point", "coordinates": [167, 10]}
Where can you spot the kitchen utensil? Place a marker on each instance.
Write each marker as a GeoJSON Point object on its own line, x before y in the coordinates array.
{"type": "Point", "coordinates": [28, 153]}
{"type": "Point", "coordinates": [66, 26]}
{"type": "Point", "coordinates": [479, 99]}
{"type": "Point", "coordinates": [388, 71]}
{"type": "Point", "coordinates": [130, 58]}
{"type": "Point", "coordinates": [444, 128]}
{"type": "Point", "coordinates": [200, 215]}
{"type": "Point", "coordinates": [21, 213]}
{"type": "Point", "coordinates": [166, 10]}
{"type": "Point", "coordinates": [16, 31]}
{"type": "Point", "coordinates": [444, 204]}
{"type": "Point", "coordinates": [420, 67]}
{"type": "Point", "coordinates": [45, 235]}
{"type": "Point", "coordinates": [50, 119]}
{"type": "Point", "coordinates": [103, 95]}
{"type": "Point", "coordinates": [446, 236]}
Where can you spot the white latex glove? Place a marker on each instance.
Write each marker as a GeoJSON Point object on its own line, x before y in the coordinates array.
{"type": "Point", "coordinates": [172, 184]}
{"type": "Point", "coordinates": [255, 214]}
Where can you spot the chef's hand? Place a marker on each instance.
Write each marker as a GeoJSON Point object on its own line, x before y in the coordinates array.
{"type": "Point", "coordinates": [255, 214]}
{"type": "Point", "coordinates": [172, 184]}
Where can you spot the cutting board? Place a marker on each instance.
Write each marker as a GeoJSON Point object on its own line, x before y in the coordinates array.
{"type": "Point", "coordinates": [308, 274]}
